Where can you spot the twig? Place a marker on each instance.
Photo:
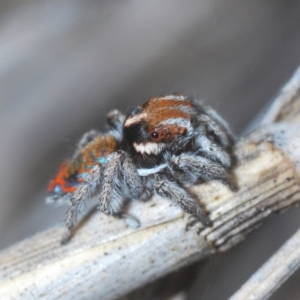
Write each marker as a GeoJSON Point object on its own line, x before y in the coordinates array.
{"type": "Point", "coordinates": [286, 260]}
{"type": "Point", "coordinates": [106, 259]}
{"type": "Point", "coordinates": [287, 103]}
{"type": "Point", "coordinates": [273, 273]}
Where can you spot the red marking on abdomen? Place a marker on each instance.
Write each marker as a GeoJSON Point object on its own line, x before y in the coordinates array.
{"type": "Point", "coordinates": [61, 179]}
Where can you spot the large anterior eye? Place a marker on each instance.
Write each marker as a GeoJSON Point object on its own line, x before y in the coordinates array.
{"type": "Point", "coordinates": [181, 130]}
{"type": "Point", "coordinates": [154, 135]}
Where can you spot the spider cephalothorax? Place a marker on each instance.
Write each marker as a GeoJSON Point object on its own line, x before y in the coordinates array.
{"type": "Point", "coordinates": [183, 133]}
{"type": "Point", "coordinates": [170, 142]}
{"type": "Point", "coordinates": [159, 124]}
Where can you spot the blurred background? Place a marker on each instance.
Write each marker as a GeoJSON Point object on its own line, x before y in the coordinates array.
{"type": "Point", "coordinates": [65, 63]}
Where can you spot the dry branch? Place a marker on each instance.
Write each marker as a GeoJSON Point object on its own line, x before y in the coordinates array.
{"type": "Point", "coordinates": [273, 273]}
{"type": "Point", "coordinates": [267, 279]}
{"type": "Point", "coordinates": [287, 104]}
{"type": "Point", "coordinates": [106, 259]}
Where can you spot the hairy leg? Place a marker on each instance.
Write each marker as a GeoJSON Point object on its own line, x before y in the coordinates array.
{"type": "Point", "coordinates": [120, 181]}
{"type": "Point", "coordinates": [214, 124]}
{"type": "Point", "coordinates": [172, 190]}
{"type": "Point", "coordinates": [85, 139]}
{"type": "Point", "coordinates": [84, 191]}
{"type": "Point", "coordinates": [209, 149]}
{"type": "Point", "coordinates": [189, 168]}
{"type": "Point", "coordinates": [115, 120]}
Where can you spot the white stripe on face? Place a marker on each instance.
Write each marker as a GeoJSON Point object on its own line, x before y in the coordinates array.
{"type": "Point", "coordinates": [178, 122]}
{"type": "Point", "coordinates": [149, 148]}
{"type": "Point", "coordinates": [172, 97]}
{"type": "Point", "coordinates": [134, 119]}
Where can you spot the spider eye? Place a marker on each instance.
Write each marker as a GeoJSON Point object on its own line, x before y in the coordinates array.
{"type": "Point", "coordinates": [154, 135]}
{"type": "Point", "coordinates": [181, 131]}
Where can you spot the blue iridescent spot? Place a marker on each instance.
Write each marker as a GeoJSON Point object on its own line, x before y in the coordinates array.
{"type": "Point", "coordinates": [102, 160]}
{"type": "Point", "coordinates": [82, 175]}
{"type": "Point", "coordinates": [57, 189]}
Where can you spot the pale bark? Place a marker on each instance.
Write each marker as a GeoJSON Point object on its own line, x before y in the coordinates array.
{"type": "Point", "coordinates": [266, 280]}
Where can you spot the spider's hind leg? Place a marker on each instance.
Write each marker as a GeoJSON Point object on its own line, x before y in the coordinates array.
{"type": "Point", "coordinates": [85, 139]}
{"type": "Point", "coordinates": [114, 121]}
{"type": "Point", "coordinates": [84, 191]}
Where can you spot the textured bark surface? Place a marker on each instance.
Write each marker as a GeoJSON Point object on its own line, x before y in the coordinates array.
{"type": "Point", "coordinates": [103, 249]}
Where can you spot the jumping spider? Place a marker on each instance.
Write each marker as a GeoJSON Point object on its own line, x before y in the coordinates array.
{"type": "Point", "coordinates": [160, 147]}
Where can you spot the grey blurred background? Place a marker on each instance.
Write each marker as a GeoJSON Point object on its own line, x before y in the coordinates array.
{"type": "Point", "coordinates": [64, 64]}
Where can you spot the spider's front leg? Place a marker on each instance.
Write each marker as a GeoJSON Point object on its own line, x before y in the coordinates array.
{"type": "Point", "coordinates": [174, 191]}
{"type": "Point", "coordinates": [120, 182]}
{"type": "Point", "coordinates": [191, 168]}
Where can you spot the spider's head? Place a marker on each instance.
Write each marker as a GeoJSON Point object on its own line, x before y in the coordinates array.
{"type": "Point", "coordinates": [161, 123]}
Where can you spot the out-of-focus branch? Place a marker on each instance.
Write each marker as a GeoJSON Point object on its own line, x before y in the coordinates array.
{"type": "Point", "coordinates": [287, 103]}
{"type": "Point", "coordinates": [264, 282]}
{"type": "Point", "coordinates": [106, 259]}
